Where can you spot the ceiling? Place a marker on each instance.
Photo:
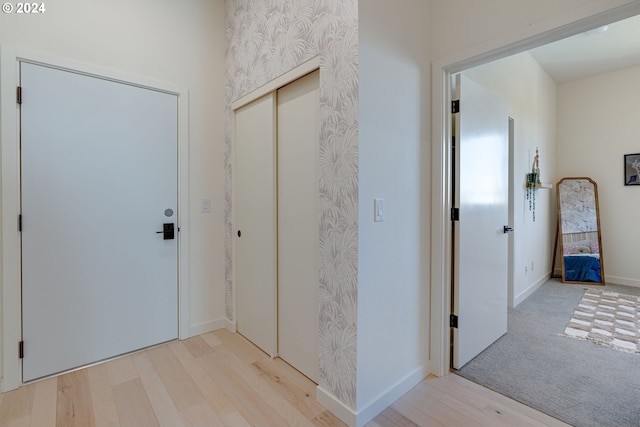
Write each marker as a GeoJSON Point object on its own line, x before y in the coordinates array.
{"type": "Point", "coordinates": [598, 51]}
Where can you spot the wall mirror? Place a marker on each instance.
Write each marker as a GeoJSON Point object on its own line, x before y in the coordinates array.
{"type": "Point", "coordinates": [579, 231]}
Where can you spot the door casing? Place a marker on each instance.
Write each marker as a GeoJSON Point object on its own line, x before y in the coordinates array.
{"type": "Point", "coordinates": [10, 137]}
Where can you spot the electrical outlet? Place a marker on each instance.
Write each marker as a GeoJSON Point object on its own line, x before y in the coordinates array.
{"type": "Point", "coordinates": [531, 265]}
{"type": "Point", "coordinates": [525, 269]}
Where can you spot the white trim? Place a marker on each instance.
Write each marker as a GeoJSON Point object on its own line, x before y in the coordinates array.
{"type": "Point", "coordinates": [376, 406]}
{"type": "Point", "coordinates": [294, 74]}
{"type": "Point", "coordinates": [387, 397]}
{"type": "Point", "coordinates": [11, 302]}
{"type": "Point", "coordinates": [336, 407]}
{"type": "Point", "coordinates": [558, 27]}
{"type": "Point", "coordinates": [617, 280]}
{"type": "Point", "coordinates": [511, 279]}
{"type": "Point", "coordinates": [440, 224]}
{"type": "Point", "coordinates": [531, 289]}
{"type": "Point", "coordinates": [210, 326]}
{"type": "Point", "coordinates": [609, 280]}
{"type": "Point", "coordinates": [12, 322]}
{"type": "Point", "coordinates": [183, 215]}
{"type": "Point", "coordinates": [61, 63]}
{"type": "Point", "coordinates": [230, 326]}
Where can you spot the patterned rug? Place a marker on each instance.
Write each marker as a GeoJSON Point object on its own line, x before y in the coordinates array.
{"type": "Point", "coordinates": [608, 319]}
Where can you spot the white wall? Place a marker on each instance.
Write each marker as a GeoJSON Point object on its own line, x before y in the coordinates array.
{"type": "Point", "coordinates": [181, 43]}
{"type": "Point", "coordinates": [531, 97]}
{"type": "Point", "coordinates": [393, 293]}
{"type": "Point", "coordinates": [460, 25]}
{"type": "Point", "coordinates": [597, 125]}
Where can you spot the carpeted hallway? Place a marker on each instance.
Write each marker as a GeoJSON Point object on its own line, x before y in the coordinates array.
{"type": "Point", "coordinates": [576, 381]}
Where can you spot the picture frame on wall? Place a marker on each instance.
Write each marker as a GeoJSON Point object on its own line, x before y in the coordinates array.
{"type": "Point", "coordinates": [632, 169]}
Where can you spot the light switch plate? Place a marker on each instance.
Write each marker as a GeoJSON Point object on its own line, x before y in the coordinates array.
{"type": "Point", "coordinates": [378, 210]}
{"type": "Point", "coordinates": [205, 205]}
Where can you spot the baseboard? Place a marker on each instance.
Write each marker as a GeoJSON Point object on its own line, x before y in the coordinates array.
{"type": "Point", "coordinates": [230, 326]}
{"type": "Point", "coordinates": [531, 289]}
{"type": "Point", "coordinates": [616, 280]}
{"type": "Point", "coordinates": [336, 407]}
{"type": "Point", "coordinates": [377, 405]}
{"type": "Point", "coordinates": [203, 328]}
{"type": "Point", "coordinates": [393, 393]}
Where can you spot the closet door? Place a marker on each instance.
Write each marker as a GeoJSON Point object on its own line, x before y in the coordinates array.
{"type": "Point", "coordinates": [255, 213]}
{"type": "Point", "coordinates": [298, 137]}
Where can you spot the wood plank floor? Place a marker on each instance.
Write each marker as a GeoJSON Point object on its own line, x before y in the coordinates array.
{"type": "Point", "coordinates": [220, 379]}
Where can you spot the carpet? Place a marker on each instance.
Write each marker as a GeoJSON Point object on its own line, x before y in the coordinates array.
{"type": "Point", "coordinates": [573, 380]}
{"type": "Point", "coordinates": [608, 319]}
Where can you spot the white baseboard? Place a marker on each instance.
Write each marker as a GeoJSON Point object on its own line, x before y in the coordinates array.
{"type": "Point", "coordinates": [531, 289]}
{"type": "Point", "coordinates": [393, 393]}
{"type": "Point", "coordinates": [230, 326]}
{"type": "Point", "coordinates": [377, 405]}
{"type": "Point", "coordinates": [337, 408]}
{"type": "Point", "coordinates": [203, 328]}
{"type": "Point", "coordinates": [616, 280]}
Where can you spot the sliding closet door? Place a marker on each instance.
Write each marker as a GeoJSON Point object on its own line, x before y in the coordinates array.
{"type": "Point", "coordinates": [298, 111]}
{"type": "Point", "coordinates": [255, 233]}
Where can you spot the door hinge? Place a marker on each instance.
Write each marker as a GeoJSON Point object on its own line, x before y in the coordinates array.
{"type": "Point", "coordinates": [453, 321]}
{"type": "Point", "coordinates": [19, 222]}
{"type": "Point", "coordinates": [455, 214]}
{"type": "Point", "coordinates": [455, 106]}
{"type": "Point", "coordinates": [19, 95]}
{"type": "Point", "coordinates": [21, 350]}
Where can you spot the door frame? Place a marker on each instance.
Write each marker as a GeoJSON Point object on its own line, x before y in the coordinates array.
{"type": "Point", "coordinates": [556, 28]}
{"type": "Point", "coordinates": [10, 142]}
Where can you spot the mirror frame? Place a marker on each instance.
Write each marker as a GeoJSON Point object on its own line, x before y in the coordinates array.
{"type": "Point", "coordinates": [599, 231]}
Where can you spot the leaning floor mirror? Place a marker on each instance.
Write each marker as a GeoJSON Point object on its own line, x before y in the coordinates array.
{"type": "Point", "coordinates": [579, 231]}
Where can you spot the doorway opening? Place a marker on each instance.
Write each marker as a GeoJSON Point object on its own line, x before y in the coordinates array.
{"type": "Point", "coordinates": [441, 164]}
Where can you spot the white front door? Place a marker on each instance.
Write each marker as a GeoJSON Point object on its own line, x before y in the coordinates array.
{"type": "Point", "coordinates": [99, 180]}
{"type": "Point", "coordinates": [480, 241]}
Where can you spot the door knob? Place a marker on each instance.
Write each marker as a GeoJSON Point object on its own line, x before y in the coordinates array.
{"type": "Point", "coordinates": [167, 231]}
{"type": "Point", "coordinates": [507, 229]}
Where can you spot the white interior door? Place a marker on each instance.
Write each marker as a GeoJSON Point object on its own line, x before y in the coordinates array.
{"type": "Point", "coordinates": [298, 139]}
{"type": "Point", "coordinates": [481, 245]}
{"type": "Point", "coordinates": [99, 179]}
{"type": "Point", "coordinates": [255, 207]}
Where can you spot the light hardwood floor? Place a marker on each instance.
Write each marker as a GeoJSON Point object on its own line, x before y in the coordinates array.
{"type": "Point", "coordinates": [220, 379]}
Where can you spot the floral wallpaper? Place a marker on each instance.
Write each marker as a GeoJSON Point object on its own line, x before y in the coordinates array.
{"type": "Point", "coordinates": [266, 38]}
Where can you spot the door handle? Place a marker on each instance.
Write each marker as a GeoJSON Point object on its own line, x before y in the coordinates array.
{"type": "Point", "coordinates": [507, 229]}
{"type": "Point", "coordinates": [167, 232]}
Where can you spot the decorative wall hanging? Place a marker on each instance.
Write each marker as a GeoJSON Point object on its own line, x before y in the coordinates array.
{"type": "Point", "coordinates": [533, 183]}
{"type": "Point", "coordinates": [632, 169]}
